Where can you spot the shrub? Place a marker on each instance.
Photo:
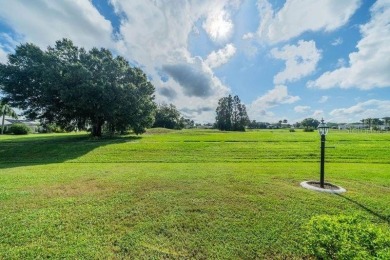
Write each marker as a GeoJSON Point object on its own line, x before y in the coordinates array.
{"type": "Point", "coordinates": [310, 129]}
{"type": "Point", "coordinates": [19, 129]}
{"type": "Point", "coordinates": [345, 237]}
{"type": "Point", "coordinates": [51, 128]}
{"type": "Point", "coordinates": [292, 130]}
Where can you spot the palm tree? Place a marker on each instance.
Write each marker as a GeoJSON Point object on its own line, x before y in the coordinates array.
{"type": "Point", "coordinates": [6, 110]}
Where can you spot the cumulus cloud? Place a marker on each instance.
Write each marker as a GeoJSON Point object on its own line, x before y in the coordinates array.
{"type": "Point", "coordinates": [168, 92]}
{"type": "Point", "coordinates": [299, 16]}
{"type": "Point", "coordinates": [301, 60]}
{"type": "Point", "coordinates": [7, 45]}
{"type": "Point", "coordinates": [3, 55]}
{"type": "Point", "coordinates": [323, 99]}
{"type": "Point", "coordinates": [372, 108]}
{"type": "Point", "coordinates": [191, 113]}
{"type": "Point", "coordinates": [218, 25]}
{"type": "Point", "coordinates": [192, 78]}
{"type": "Point", "coordinates": [155, 34]}
{"type": "Point", "coordinates": [220, 57]}
{"type": "Point", "coordinates": [76, 20]}
{"type": "Point", "coordinates": [248, 36]}
{"type": "Point", "coordinates": [368, 67]}
{"type": "Point", "coordinates": [317, 114]}
{"type": "Point", "coordinates": [337, 41]}
{"type": "Point", "coordinates": [301, 109]}
{"type": "Point", "coordinates": [274, 97]}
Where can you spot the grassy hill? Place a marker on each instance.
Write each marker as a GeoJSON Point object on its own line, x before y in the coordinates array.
{"type": "Point", "coordinates": [181, 194]}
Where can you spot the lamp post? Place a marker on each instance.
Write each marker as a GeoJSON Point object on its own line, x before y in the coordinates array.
{"type": "Point", "coordinates": [323, 131]}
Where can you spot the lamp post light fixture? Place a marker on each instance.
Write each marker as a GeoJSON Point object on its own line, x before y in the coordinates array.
{"type": "Point", "coordinates": [323, 129]}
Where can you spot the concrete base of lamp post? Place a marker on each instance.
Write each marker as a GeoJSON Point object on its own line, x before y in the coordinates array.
{"type": "Point", "coordinates": [328, 187]}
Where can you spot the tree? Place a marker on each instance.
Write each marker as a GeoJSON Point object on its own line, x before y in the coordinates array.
{"type": "Point", "coordinates": [72, 87]}
{"type": "Point", "coordinates": [310, 123]}
{"type": "Point", "coordinates": [187, 123]}
{"type": "Point", "coordinates": [6, 110]}
{"type": "Point", "coordinates": [369, 122]}
{"type": "Point", "coordinates": [386, 120]}
{"type": "Point", "coordinates": [363, 121]}
{"type": "Point", "coordinates": [376, 122]}
{"type": "Point", "coordinates": [231, 114]}
{"type": "Point", "coordinates": [258, 125]}
{"type": "Point", "coordinates": [168, 116]}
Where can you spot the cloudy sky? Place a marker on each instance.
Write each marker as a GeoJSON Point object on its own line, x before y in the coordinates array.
{"type": "Point", "coordinates": [285, 59]}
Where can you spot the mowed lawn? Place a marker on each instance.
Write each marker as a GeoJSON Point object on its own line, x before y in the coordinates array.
{"type": "Point", "coordinates": [182, 194]}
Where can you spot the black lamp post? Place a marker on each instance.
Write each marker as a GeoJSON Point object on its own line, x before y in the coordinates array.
{"type": "Point", "coordinates": [323, 131]}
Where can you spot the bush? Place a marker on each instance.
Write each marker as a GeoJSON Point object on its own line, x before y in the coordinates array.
{"type": "Point", "coordinates": [51, 128]}
{"type": "Point", "coordinates": [310, 129]}
{"type": "Point", "coordinates": [292, 130]}
{"type": "Point", "coordinates": [19, 129]}
{"type": "Point", "coordinates": [345, 237]}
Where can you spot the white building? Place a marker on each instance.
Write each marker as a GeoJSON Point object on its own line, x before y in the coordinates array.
{"type": "Point", "coordinates": [33, 125]}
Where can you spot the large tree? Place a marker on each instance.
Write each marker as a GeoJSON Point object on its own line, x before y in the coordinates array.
{"type": "Point", "coordinates": [72, 87]}
{"type": "Point", "coordinates": [231, 114]}
{"type": "Point", "coordinates": [310, 123]}
{"type": "Point", "coordinates": [168, 116]}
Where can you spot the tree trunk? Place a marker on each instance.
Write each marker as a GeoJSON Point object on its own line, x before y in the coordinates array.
{"type": "Point", "coordinates": [97, 129]}
{"type": "Point", "coordinates": [2, 124]}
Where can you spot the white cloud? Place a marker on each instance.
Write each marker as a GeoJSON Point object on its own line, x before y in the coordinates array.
{"type": "Point", "coordinates": [7, 45]}
{"type": "Point", "coordinates": [218, 25]}
{"type": "Point", "coordinates": [301, 109]}
{"type": "Point", "coordinates": [298, 16]}
{"type": "Point", "coordinates": [368, 67]}
{"type": "Point", "coordinates": [340, 63]}
{"type": "Point", "coordinates": [163, 46]}
{"type": "Point", "coordinates": [323, 99]}
{"type": "Point", "coordinates": [372, 108]}
{"type": "Point", "coordinates": [3, 55]}
{"type": "Point", "coordinates": [248, 36]}
{"type": "Point", "coordinates": [258, 109]}
{"type": "Point", "coordinates": [301, 60]}
{"type": "Point", "coordinates": [44, 22]}
{"type": "Point", "coordinates": [337, 41]}
{"type": "Point", "coordinates": [220, 57]}
{"type": "Point", "coordinates": [317, 114]}
{"type": "Point", "coordinates": [152, 34]}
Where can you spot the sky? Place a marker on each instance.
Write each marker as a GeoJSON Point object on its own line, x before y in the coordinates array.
{"type": "Point", "coordinates": [288, 59]}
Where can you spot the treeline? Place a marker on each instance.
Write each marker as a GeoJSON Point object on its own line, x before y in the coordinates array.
{"type": "Point", "coordinates": [375, 123]}
{"type": "Point", "coordinates": [68, 88]}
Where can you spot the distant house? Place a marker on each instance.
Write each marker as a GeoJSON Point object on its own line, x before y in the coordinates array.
{"type": "Point", "coordinates": [33, 125]}
{"type": "Point", "coordinates": [351, 126]}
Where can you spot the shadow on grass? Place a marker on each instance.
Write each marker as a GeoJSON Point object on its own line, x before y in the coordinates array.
{"type": "Point", "coordinates": [41, 149]}
{"type": "Point", "coordinates": [384, 218]}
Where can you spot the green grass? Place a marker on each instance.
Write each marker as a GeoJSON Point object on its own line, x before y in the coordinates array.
{"type": "Point", "coordinates": [181, 194]}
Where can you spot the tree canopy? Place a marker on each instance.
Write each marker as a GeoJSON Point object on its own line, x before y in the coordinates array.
{"type": "Point", "coordinates": [231, 114]}
{"type": "Point", "coordinates": [72, 87]}
{"type": "Point", "coordinates": [310, 123]}
{"type": "Point", "coordinates": [168, 116]}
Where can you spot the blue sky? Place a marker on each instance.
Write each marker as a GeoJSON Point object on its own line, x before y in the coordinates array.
{"type": "Point", "coordinates": [285, 59]}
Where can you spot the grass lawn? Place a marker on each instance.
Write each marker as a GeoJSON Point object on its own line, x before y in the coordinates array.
{"type": "Point", "coordinates": [181, 194]}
